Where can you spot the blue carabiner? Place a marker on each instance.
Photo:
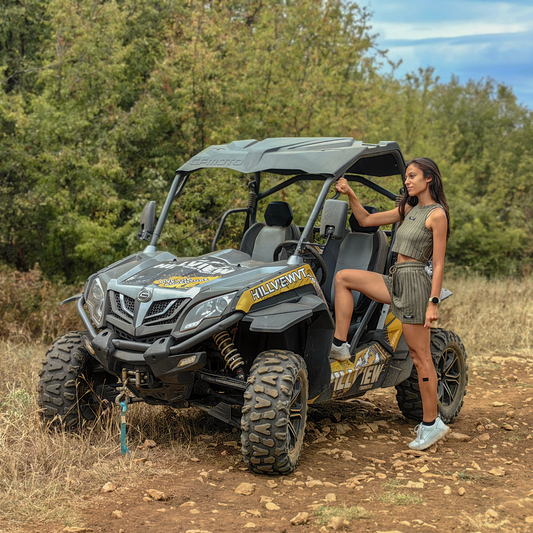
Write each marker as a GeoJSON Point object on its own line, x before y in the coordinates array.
{"type": "Point", "coordinates": [123, 447]}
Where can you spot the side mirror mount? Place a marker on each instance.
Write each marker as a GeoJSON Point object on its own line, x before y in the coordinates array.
{"type": "Point", "coordinates": [147, 222]}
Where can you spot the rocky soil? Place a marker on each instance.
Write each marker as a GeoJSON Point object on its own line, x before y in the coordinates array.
{"type": "Point", "coordinates": [356, 473]}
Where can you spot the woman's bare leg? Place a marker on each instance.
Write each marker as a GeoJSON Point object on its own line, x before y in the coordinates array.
{"type": "Point", "coordinates": [418, 339]}
{"type": "Point", "coordinates": [370, 284]}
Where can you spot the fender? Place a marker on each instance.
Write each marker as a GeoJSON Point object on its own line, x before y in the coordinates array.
{"type": "Point", "coordinates": [281, 317]}
{"type": "Point", "coordinates": [311, 310]}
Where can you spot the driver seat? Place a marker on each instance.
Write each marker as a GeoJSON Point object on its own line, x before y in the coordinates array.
{"type": "Point", "coordinates": [260, 240]}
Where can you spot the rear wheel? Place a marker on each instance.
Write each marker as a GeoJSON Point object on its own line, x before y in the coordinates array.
{"type": "Point", "coordinates": [70, 392]}
{"type": "Point", "coordinates": [274, 412]}
{"type": "Point", "coordinates": [449, 356]}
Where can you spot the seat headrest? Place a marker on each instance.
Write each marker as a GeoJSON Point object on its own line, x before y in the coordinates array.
{"type": "Point", "coordinates": [278, 214]}
{"type": "Point", "coordinates": [356, 228]}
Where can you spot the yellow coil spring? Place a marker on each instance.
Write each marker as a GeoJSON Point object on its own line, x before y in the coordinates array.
{"type": "Point", "coordinates": [227, 349]}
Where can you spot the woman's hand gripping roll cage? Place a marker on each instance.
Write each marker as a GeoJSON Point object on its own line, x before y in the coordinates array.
{"type": "Point", "coordinates": [412, 294]}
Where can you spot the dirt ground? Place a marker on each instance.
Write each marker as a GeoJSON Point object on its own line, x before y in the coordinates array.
{"type": "Point", "coordinates": [356, 464]}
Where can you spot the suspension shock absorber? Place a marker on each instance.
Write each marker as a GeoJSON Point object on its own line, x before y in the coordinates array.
{"type": "Point", "coordinates": [252, 198]}
{"type": "Point", "coordinates": [230, 354]}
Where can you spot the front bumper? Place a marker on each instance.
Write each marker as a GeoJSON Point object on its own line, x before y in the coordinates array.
{"type": "Point", "coordinates": [163, 357]}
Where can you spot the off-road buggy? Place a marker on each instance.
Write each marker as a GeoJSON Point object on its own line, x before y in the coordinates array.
{"type": "Point", "coordinates": [244, 334]}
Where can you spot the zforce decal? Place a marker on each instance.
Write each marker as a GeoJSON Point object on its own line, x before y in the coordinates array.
{"type": "Point", "coordinates": [286, 282]}
{"type": "Point", "coordinates": [182, 282]}
{"type": "Point", "coordinates": [369, 364]}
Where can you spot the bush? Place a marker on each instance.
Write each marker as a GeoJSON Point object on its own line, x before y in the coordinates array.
{"type": "Point", "coordinates": [30, 307]}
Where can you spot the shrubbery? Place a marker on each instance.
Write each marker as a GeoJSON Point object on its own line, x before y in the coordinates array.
{"type": "Point", "coordinates": [30, 307]}
{"type": "Point", "coordinates": [100, 102]}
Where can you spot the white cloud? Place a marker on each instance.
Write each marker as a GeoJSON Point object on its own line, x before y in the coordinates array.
{"type": "Point", "coordinates": [473, 39]}
{"type": "Point", "coordinates": [412, 31]}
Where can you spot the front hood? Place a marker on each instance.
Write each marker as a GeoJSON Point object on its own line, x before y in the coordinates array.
{"type": "Point", "coordinates": [183, 273]}
{"type": "Point", "coordinates": [210, 272]}
{"type": "Point", "coordinates": [149, 294]}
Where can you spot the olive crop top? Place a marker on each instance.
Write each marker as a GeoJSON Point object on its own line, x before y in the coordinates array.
{"type": "Point", "coordinates": [413, 239]}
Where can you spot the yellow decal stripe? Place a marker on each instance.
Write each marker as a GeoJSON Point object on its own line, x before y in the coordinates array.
{"type": "Point", "coordinates": [394, 329]}
{"type": "Point", "coordinates": [285, 282]}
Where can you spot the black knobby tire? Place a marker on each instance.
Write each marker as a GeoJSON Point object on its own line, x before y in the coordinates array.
{"type": "Point", "coordinates": [66, 393]}
{"type": "Point", "coordinates": [274, 412]}
{"type": "Point", "coordinates": [449, 356]}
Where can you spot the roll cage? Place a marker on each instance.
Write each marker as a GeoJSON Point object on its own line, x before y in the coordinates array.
{"type": "Point", "coordinates": [332, 157]}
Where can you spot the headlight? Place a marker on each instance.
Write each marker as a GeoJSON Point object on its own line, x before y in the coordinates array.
{"type": "Point", "coordinates": [207, 309]}
{"type": "Point", "coordinates": [96, 301]}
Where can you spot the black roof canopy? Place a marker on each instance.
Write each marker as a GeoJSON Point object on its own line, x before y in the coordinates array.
{"type": "Point", "coordinates": [328, 156]}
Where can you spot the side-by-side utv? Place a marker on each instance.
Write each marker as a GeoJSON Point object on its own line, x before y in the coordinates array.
{"type": "Point", "coordinates": [245, 333]}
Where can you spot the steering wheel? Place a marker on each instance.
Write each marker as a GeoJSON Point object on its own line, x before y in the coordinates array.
{"type": "Point", "coordinates": [309, 255]}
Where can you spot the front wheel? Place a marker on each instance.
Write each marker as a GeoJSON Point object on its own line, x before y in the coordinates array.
{"type": "Point", "coordinates": [70, 392]}
{"type": "Point", "coordinates": [449, 357]}
{"type": "Point", "coordinates": [274, 413]}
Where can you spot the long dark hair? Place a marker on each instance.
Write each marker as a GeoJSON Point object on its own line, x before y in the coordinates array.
{"type": "Point", "coordinates": [430, 170]}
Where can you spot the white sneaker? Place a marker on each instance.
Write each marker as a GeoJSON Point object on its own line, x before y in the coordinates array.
{"type": "Point", "coordinates": [428, 435]}
{"type": "Point", "coordinates": [340, 353]}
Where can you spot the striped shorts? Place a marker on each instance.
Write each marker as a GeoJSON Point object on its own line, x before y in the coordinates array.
{"type": "Point", "coordinates": [409, 286]}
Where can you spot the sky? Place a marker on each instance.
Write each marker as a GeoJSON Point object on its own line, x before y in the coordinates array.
{"type": "Point", "coordinates": [472, 39]}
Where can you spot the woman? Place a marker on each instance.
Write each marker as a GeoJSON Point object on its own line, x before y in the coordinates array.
{"type": "Point", "coordinates": [413, 295]}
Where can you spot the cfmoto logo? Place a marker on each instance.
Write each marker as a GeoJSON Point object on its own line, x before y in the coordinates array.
{"type": "Point", "coordinates": [144, 295]}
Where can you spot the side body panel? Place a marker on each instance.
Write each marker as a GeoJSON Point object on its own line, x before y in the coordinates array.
{"type": "Point", "coordinates": [384, 362]}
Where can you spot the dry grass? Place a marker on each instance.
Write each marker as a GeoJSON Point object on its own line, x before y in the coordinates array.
{"type": "Point", "coordinates": [483, 522]}
{"type": "Point", "coordinates": [492, 317]}
{"type": "Point", "coordinates": [395, 495]}
{"type": "Point", "coordinates": [43, 475]}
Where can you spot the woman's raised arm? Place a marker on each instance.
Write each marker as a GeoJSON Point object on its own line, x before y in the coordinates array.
{"type": "Point", "coordinates": [365, 218]}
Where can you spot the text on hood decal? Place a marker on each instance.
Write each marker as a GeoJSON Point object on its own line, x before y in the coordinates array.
{"type": "Point", "coordinates": [286, 282]}
{"type": "Point", "coordinates": [182, 282]}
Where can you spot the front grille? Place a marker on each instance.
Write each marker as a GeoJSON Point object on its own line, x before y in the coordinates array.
{"type": "Point", "coordinates": [129, 304]}
{"type": "Point", "coordinates": [110, 306]}
{"type": "Point", "coordinates": [120, 306]}
{"type": "Point", "coordinates": [160, 313]}
{"type": "Point", "coordinates": [164, 312]}
{"type": "Point", "coordinates": [159, 307]}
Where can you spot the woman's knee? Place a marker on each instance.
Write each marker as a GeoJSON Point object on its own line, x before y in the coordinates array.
{"type": "Point", "coordinates": [421, 359]}
{"type": "Point", "coordinates": [343, 277]}
{"type": "Point", "coordinates": [350, 276]}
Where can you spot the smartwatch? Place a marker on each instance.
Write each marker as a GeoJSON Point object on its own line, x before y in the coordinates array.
{"type": "Point", "coordinates": [434, 300]}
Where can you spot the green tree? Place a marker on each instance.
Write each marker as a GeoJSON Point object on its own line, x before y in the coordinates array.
{"type": "Point", "coordinates": [102, 100]}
